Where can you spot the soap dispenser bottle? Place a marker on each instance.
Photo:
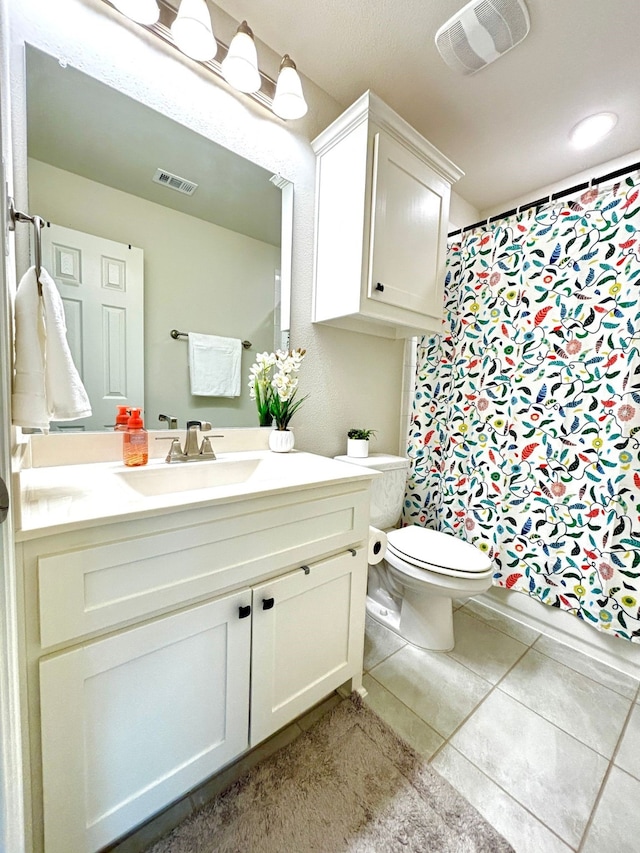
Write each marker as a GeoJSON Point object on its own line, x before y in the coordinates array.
{"type": "Point", "coordinates": [122, 418]}
{"type": "Point", "coordinates": [135, 445]}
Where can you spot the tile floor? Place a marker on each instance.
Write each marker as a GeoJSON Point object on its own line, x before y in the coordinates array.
{"type": "Point", "coordinates": [543, 741]}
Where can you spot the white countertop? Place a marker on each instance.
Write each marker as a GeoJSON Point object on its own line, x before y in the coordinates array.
{"type": "Point", "coordinates": [61, 498]}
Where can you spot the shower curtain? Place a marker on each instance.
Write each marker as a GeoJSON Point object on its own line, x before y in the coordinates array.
{"type": "Point", "coordinates": [525, 428]}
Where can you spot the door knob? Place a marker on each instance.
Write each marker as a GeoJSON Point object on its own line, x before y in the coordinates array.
{"type": "Point", "coordinates": [267, 603]}
{"type": "Point", "coordinates": [379, 287]}
{"type": "Point", "coordinates": [244, 611]}
{"type": "Point", "coordinates": [4, 500]}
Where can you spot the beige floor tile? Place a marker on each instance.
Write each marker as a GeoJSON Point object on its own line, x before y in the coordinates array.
{"type": "Point", "coordinates": [580, 706]}
{"type": "Point", "coordinates": [628, 755]}
{"type": "Point", "coordinates": [502, 623]}
{"type": "Point", "coordinates": [611, 678]}
{"type": "Point", "coordinates": [379, 643]}
{"type": "Point", "coordinates": [522, 830]}
{"type": "Point", "coordinates": [547, 771]}
{"type": "Point", "coordinates": [437, 688]}
{"type": "Point", "coordinates": [488, 652]}
{"type": "Point", "coordinates": [616, 823]}
{"type": "Point", "coordinates": [401, 719]}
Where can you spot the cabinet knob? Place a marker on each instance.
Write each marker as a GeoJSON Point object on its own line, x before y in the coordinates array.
{"type": "Point", "coordinates": [244, 611]}
{"type": "Point", "coordinates": [267, 603]}
{"type": "Point", "coordinates": [379, 287]}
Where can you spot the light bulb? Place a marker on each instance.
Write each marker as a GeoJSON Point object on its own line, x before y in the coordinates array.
{"type": "Point", "coordinates": [240, 66]}
{"type": "Point", "coordinates": [288, 101]}
{"type": "Point", "coordinates": [140, 11]}
{"type": "Point", "coordinates": [592, 129]}
{"type": "Point", "coordinates": [192, 31]}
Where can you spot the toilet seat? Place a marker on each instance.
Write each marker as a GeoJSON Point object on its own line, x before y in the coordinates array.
{"type": "Point", "coordinates": [448, 555]}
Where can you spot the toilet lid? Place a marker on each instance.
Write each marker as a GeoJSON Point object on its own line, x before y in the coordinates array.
{"type": "Point", "coordinates": [429, 548]}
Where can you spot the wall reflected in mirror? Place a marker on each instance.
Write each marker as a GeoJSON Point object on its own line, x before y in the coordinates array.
{"type": "Point", "coordinates": [211, 257]}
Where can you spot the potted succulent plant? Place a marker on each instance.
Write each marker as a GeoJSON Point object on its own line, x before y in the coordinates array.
{"type": "Point", "coordinates": [358, 442]}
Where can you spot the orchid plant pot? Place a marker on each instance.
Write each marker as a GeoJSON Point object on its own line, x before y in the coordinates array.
{"type": "Point", "coordinates": [281, 440]}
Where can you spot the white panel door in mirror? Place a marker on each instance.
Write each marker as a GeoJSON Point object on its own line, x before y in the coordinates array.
{"type": "Point", "coordinates": [102, 288]}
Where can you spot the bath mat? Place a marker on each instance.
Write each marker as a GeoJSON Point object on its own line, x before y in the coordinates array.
{"type": "Point", "coordinates": [348, 785]}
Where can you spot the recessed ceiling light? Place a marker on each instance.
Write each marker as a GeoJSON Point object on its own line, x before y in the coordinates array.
{"type": "Point", "coordinates": [592, 129]}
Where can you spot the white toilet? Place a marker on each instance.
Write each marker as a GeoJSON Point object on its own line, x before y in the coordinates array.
{"type": "Point", "coordinates": [411, 590]}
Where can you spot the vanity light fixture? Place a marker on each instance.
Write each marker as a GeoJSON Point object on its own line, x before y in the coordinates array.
{"type": "Point", "coordinates": [592, 129]}
{"type": "Point", "coordinates": [192, 32]}
{"type": "Point", "coordinates": [141, 11]}
{"type": "Point", "coordinates": [240, 65]}
{"type": "Point", "coordinates": [189, 30]}
{"type": "Point", "coordinates": [289, 101]}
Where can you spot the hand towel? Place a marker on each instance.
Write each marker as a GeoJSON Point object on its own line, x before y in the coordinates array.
{"type": "Point", "coordinates": [47, 385]}
{"type": "Point", "coordinates": [214, 365]}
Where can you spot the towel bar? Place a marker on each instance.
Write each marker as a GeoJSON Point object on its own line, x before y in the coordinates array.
{"type": "Point", "coordinates": [175, 334]}
{"type": "Point", "coordinates": [38, 224]}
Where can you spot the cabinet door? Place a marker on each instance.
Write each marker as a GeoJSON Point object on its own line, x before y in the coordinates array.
{"type": "Point", "coordinates": [308, 637]}
{"type": "Point", "coordinates": [410, 208]}
{"type": "Point", "coordinates": [131, 722]}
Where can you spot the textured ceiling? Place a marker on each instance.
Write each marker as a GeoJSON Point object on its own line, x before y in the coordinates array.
{"type": "Point", "coordinates": [506, 126]}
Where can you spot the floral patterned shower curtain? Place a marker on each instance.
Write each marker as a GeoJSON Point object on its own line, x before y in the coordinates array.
{"type": "Point", "coordinates": [525, 428]}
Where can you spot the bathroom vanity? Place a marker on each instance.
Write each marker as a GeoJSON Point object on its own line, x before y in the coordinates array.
{"type": "Point", "coordinates": [201, 609]}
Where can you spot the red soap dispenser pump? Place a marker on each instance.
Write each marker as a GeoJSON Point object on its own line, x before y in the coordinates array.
{"type": "Point", "coordinates": [135, 446]}
{"type": "Point", "coordinates": [122, 418]}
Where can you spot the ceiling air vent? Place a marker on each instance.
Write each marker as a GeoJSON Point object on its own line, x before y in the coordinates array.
{"type": "Point", "coordinates": [174, 182]}
{"type": "Point", "coordinates": [481, 32]}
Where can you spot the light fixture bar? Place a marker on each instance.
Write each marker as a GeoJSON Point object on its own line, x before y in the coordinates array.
{"type": "Point", "coordinates": [162, 28]}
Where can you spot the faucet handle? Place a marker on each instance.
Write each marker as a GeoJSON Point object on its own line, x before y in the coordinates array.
{"type": "Point", "coordinates": [175, 453]}
{"type": "Point", "coordinates": [206, 450]}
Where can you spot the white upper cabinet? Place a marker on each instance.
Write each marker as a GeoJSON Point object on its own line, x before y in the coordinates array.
{"type": "Point", "coordinates": [382, 209]}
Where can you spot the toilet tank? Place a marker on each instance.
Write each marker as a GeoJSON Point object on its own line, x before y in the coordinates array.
{"type": "Point", "coordinates": [387, 491]}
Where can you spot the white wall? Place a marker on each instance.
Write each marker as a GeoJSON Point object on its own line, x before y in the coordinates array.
{"type": "Point", "coordinates": [566, 183]}
{"type": "Point", "coordinates": [198, 277]}
{"type": "Point", "coordinates": [350, 378]}
{"type": "Point", "coordinates": [461, 213]}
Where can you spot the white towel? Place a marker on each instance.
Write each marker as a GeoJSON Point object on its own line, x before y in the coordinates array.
{"type": "Point", "coordinates": [47, 385]}
{"type": "Point", "coordinates": [214, 365]}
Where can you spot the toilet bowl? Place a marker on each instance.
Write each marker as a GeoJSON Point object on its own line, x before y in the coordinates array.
{"type": "Point", "coordinates": [428, 570]}
{"type": "Point", "coordinates": [412, 590]}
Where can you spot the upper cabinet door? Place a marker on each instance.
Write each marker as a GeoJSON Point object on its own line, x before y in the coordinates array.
{"type": "Point", "coordinates": [407, 239]}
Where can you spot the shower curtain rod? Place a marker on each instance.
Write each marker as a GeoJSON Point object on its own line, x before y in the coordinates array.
{"type": "Point", "coordinates": [554, 197]}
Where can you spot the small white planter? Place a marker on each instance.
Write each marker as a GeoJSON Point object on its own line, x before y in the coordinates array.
{"type": "Point", "coordinates": [358, 447]}
{"type": "Point", "coordinates": [281, 440]}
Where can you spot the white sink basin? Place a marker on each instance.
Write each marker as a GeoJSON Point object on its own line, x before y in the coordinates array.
{"type": "Point", "coordinates": [187, 476]}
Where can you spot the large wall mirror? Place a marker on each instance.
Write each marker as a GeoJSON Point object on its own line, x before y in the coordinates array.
{"type": "Point", "coordinates": [208, 261]}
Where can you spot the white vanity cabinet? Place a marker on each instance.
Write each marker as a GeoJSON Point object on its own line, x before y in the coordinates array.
{"type": "Point", "coordinates": [306, 629]}
{"type": "Point", "coordinates": [382, 206]}
{"type": "Point", "coordinates": [161, 649]}
{"type": "Point", "coordinates": [132, 721]}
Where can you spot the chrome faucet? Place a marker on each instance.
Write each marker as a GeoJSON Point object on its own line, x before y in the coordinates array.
{"type": "Point", "coordinates": [191, 448]}
{"type": "Point", "coordinates": [172, 423]}
{"type": "Point", "coordinates": [192, 451]}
